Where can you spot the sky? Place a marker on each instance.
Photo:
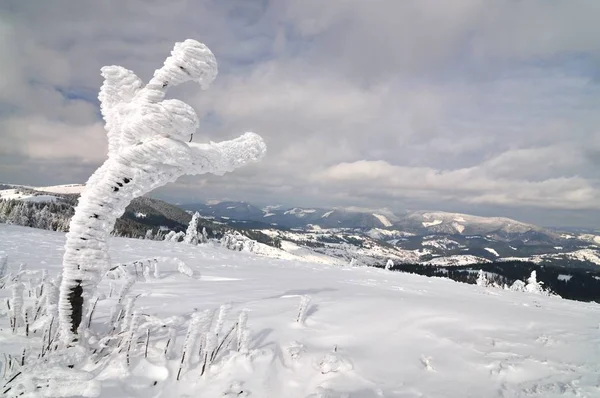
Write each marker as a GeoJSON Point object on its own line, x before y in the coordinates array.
{"type": "Point", "coordinates": [483, 107]}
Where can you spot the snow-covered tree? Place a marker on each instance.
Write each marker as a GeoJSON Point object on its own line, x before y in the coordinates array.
{"type": "Point", "coordinates": [389, 264]}
{"type": "Point", "coordinates": [149, 145]}
{"type": "Point", "coordinates": [482, 279]}
{"type": "Point", "coordinates": [191, 235]}
{"type": "Point", "coordinates": [533, 286]}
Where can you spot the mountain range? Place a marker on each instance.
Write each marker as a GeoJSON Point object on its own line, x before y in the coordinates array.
{"type": "Point", "coordinates": [337, 236]}
{"type": "Point", "coordinates": [417, 222]}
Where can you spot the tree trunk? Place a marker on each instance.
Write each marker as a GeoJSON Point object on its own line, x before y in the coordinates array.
{"type": "Point", "coordinates": [86, 256]}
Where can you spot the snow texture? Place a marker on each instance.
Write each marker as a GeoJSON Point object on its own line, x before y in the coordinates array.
{"type": "Point", "coordinates": [370, 333]}
{"type": "Point", "coordinates": [149, 146]}
{"type": "Point", "coordinates": [383, 220]}
{"type": "Point", "coordinates": [493, 251]}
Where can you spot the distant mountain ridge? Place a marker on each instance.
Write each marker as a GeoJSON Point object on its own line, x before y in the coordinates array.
{"type": "Point", "coordinates": [417, 222]}
{"type": "Point", "coordinates": [332, 236]}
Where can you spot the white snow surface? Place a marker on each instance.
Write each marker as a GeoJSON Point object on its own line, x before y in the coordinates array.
{"type": "Point", "coordinates": [441, 243]}
{"type": "Point", "coordinates": [298, 212]}
{"type": "Point", "coordinates": [327, 214]}
{"type": "Point", "coordinates": [563, 277]}
{"type": "Point", "coordinates": [493, 251]}
{"type": "Point", "coordinates": [64, 189]}
{"type": "Point", "coordinates": [459, 227]}
{"type": "Point", "coordinates": [431, 223]}
{"type": "Point", "coordinates": [383, 219]}
{"type": "Point", "coordinates": [16, 194]}
{"type": "Point", "coordinates": [395, 334]}
{"type": "Point", "coordinates": [13, 194]}
{"type": "Point", "coordinates": [460, 222]}
{"type": "Point", "coordinates": [591, 255]}
{"type": "Point", "coordinates": [457, 260]}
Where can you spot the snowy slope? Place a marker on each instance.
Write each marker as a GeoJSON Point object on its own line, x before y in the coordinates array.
{"type": "Point", "coordinates": [395, 335]}
{"type": "Point", "coordinates": [452, 223]}
{"type": "Point", "coordinates": [64, 189]}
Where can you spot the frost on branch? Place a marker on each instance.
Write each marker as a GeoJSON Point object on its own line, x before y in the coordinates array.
{"type": "Point", "coordinates": [149, 146]}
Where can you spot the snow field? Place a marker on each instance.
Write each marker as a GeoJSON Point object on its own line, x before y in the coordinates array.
{"type": "Point", "coordinates": [367, 332]}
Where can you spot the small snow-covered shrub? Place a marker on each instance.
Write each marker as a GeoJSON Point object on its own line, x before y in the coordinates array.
{"type": "Point", "coordinates": [518, 286]}
{"type": "Point", "coordinates": [532, 286]}
{"type": "Point", "coordinates": [238, 242]}
{"type": "Point", "coordinates": [333, 362]}
{"type": "Point", "coordinates": [143, 269]}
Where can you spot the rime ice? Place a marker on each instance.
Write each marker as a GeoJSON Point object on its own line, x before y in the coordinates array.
{"type": "Point", "coordinates": [148, 147]}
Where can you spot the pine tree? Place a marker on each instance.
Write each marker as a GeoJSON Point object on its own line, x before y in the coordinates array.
{"type": "Point", "coordinates": [191, 235]}
{"type": "Point", "coordinates": [482, 279]}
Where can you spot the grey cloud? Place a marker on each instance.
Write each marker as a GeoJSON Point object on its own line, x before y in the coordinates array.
{"type": "Point", "coordinates": [468, 104]}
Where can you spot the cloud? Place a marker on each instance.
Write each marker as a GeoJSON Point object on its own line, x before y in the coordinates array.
{"type": "Point", "coordinates": [469, 185]}
{"type": "Point", "coordinates": [479, 105]}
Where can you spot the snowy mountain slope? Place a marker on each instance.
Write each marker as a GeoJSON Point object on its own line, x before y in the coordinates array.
{"type": "Point", "coordinates": [416, 222]}
{"type": "Point", "coordinates": [295, 217]}
{"type": "Point", "coordinates": [395, 335]}
{"type": "Point", "coordinates": [425, 235]}
{"type": "Point", "coordinates": [457, 260]}
{"type": "Point", "coordinates": [464, 224]}
{"type": "Point", "coordinates": [341, 246]}
{"type": "Point", "coordinates": [68, 189]}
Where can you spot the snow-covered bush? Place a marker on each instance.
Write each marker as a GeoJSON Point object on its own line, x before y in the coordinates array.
{"type": "Point", "coordinates": [518, 286]}
{"type": "Point", "coordinates": [532, 286]}
{"type": "Point", "coordinates": [148, 146]}
{"type": "Point", "coordinates": [238, 242]}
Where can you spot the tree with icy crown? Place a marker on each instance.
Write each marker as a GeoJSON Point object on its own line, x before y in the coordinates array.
{"type": "Point", "coordinates": [533, 286]}
{"type": "Point", "coordinates": [191, 235]}
{"type": "Point", "coordinates": [482, 279]}
{"type": "Point", "coordinates": [149, 145]}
